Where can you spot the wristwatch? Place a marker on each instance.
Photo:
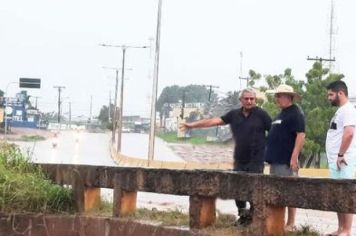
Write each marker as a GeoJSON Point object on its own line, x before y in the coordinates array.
{"type": "Point", "coordinates": [340, 155]}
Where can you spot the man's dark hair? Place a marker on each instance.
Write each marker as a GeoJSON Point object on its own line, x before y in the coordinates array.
{"type": "Point", "coordinates": [338, 86]}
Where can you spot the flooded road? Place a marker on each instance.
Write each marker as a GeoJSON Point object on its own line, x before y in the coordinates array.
{"type": "Point", "coordinates": [93, 149]}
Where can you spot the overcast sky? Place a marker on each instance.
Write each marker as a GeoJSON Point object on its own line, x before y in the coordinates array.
{"type": "Point", "coordinates": [201, 41]}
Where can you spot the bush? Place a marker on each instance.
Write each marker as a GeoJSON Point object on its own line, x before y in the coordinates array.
{"type": "Point", "coordinates": [25, 188]}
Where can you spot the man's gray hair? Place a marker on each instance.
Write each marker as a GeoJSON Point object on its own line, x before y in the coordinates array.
{"type": "Point", "coordinates": [247, 90]}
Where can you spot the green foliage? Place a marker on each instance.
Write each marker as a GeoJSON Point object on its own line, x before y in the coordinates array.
{"type": "Point", "coordinates": [190, 94]}
{"type": "Point", "coordinates": [171, 218]}
{"type": "Point", "coordinates": [31, 138]}
{"type": "Point", "coordinates": [52, 117]}
{"type": "Point", "coordinates": [223, 105]}
{"type": "Point", "coordinates": [104, 114]}
{"type": "Point", "coordinates": [25, 188]}
{"type": "Point", "coordinates": [171, 137]}
{"type": "Point", "coordinates": [304, 230]}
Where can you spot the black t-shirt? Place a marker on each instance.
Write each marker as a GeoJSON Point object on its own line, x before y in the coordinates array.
{"type": "Point", "coordinates": [281, 137]}
{"type": "Point", "coordinates": [249, 133]}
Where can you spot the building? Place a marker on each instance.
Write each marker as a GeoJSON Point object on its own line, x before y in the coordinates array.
{"type": "Point", "coordinates": [19, 114]}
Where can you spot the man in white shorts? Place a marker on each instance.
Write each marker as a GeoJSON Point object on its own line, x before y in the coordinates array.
{"type": "Point", "coordinates": [341, 144]}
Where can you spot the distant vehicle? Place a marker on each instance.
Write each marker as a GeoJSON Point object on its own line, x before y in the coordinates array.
{"type": "Point", "coordinates": [126, 130]}
{"type": "Point", "coordinates": [76, 136]}
{"type": "Point", "coordinates": [139, 128]}
{"type": "Point", "coordinates": [55, 140]}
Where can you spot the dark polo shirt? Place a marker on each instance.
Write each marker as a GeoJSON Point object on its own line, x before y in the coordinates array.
{"type": "Point", "coordinates": [281, 138]}
{"type": "Point", "coordinates": [249, 134]}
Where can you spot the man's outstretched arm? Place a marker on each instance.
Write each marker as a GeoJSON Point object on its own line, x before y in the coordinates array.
{"type": "Point", "coordinates": [205, 123]}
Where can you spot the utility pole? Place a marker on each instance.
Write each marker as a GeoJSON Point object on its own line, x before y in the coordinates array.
{"type": "Point", "coordinates": [70, 114]}
{"type": "Point", "coordinates": [209, 100]}
{"type": "Point", "coordinates": [36, 97]}
{"type": "Point", "coordinates": [183, 105]}
{"type": "Point", "coordinates": [241, 57]}
{"type": "Point", "coordinates": [247, 80]}
{"type": "Point", "coordinates": [115, 112]}
{"type": "Point", "coordinates": [210, 90]}
{"type": "Point", "coordinates": [91, 107]}
{"type": "Point", "coordinates": [123, 48]}
{"type": "Point", "coordinates": [109, 109]}
{"type": "Point", "coordinates": [320, 59]}
{"type": "Point", "coordinates": [331, 34]}
{"type": "Point", "coordinates": [151, 142]}
{"type": "Point", "coordinates": [241, 73]}
{"type": "Point", "coordinates": [59, 103]}
{"type": "Point", "coordinates": [114, 115]}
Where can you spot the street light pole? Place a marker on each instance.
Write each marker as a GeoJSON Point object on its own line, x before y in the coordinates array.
{"type": "Point", "coordinates": [114, 122]}
{"type": "Point", "coordinates": [151, 145]}
{"type": "Point", "coordinates": [123, 48]}
{"type": "Point", "coordinates": [119, 130]}
{"type": "Point", "coordinates": [59, 104]}
{"type": "Point", "coordinates": [114, 118]}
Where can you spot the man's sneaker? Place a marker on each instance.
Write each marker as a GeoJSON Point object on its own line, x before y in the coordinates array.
{"type": "Point", "coordinates": [243, 221]}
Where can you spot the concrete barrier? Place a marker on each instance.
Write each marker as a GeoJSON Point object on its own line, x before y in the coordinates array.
{"type": "Point", "coordinates": [55, 225]}
{"type": "Point", "coordinates": [267, 193]}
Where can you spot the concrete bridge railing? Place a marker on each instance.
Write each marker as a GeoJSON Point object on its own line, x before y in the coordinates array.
{"type": "Point", "coordinates": [269, 194]}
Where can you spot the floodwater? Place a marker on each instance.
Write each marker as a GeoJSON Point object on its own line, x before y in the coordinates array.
{"type": "Point", "coordinates": [93, 149]}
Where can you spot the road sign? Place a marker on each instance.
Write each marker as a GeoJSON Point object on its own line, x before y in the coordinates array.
{"type": "Point", "coordinates": [30, 83]}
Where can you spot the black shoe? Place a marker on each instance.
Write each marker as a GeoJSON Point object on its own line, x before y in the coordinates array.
{"type": "Point", "coordinates": [243, 221]}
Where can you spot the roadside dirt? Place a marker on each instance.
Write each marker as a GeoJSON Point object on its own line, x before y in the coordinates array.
{"type": "Point", "coordinates": [18, 133]}
{"type": "Point", "coordinates": [212, 153]}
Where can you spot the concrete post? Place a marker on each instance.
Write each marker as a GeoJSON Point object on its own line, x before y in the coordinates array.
{"type": "Point", "coordinates": [78, 190]}
{"type": "Point", "coordinates": [92, 198]}
{"type": "Point", "coordinates": [275, 220]}
{"type": "Point", "coordinates": [202, 211]}
{"type": "Point", "coordinates": [124, 202]}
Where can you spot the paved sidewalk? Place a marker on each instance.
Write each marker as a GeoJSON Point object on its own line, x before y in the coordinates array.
{"type": "Point", "coordinates": [325, 222]}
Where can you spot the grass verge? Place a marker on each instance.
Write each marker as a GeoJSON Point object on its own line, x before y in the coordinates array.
{"type": "Point", "coordinates": [25, 188]}
{"type": "Point", "coordinates": [224, 224]}
{"type": "Point", "coordinates": [31, 138]}
{"type": "Point", "coordinates": [171, 137]}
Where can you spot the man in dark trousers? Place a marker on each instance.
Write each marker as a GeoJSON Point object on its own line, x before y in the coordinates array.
{"type": "Point", "coordinates": [286, 139]}
{"type": "Point", "coordinates": [248, 125]}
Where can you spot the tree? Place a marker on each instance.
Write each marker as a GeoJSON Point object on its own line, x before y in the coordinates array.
{"type": "Point", "coordinates": [104, 115]}
{"type": "Point", "coordinates": [1, 93]}
{"type": "Point", "coordinates": [223, 105]}
{"type": "Point", "coordinates": [318, 111]}
{"type": "Point", "coordinates": [187, 94]}
{"type": "Point", "coordinates": [25, 98]}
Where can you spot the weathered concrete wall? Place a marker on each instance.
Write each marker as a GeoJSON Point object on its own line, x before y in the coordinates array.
{"type": "Point", "coordinates": [53, 225]}
{"type": "Point", "coordinates": [204, 186]}
{"type": "Point", "coordinates": [309, 193]}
